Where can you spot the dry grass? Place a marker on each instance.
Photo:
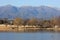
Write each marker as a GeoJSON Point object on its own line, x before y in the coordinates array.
{"type": "Point", "coordinates": [21, 28]}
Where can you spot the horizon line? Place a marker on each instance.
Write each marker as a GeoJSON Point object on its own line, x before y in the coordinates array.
{"type": "Point", "coordinates": [28, 5]}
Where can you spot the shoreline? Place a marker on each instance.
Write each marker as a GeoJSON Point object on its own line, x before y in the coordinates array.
{"type": "Point", "coordinates": [9, 28]}
{"type": "Point", "coordinates": [32, 30]}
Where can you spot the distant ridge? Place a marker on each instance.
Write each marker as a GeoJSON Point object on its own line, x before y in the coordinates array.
{"type": "Point", "coordinates": [27, 12]}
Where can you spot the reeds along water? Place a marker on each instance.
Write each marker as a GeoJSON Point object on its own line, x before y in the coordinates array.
{"type": "Point", "coordinates": [13, 28]}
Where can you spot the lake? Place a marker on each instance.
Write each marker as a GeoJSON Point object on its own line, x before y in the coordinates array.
{"type": "Point", "coordinates": [29, 36]}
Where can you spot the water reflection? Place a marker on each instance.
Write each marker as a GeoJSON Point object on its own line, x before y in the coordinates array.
{"type": "Point", "coordinates": [30, 36]}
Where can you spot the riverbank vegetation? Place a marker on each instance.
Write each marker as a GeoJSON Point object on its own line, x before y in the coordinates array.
{"type": "Point", "coordinates": [33, 24]}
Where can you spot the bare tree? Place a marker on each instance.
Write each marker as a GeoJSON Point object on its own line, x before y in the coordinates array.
{"type": "Point", "coordinates": [5, 21]}
{"type": "Point", "coordinates": [32, 22]}
{"type": "Point", "coordinates": [18, 22]}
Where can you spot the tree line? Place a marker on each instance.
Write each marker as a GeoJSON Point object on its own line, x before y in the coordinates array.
{"type": "Point", "coordinates": [43, 23]}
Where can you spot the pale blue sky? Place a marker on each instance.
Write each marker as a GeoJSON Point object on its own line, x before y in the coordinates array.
{"type": "Point", "coordinates": [53, 3]}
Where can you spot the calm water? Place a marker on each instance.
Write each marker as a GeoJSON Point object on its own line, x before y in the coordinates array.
{"type": "Point", "coordinates": [30, 36]}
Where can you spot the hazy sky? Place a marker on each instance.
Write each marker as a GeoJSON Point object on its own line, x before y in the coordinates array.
{"type": "Point", "coordinates": [53, 3]}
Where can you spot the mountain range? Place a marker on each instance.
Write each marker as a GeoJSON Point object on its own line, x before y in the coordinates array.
{"type": "Point", "coordinates": [27, 12]}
